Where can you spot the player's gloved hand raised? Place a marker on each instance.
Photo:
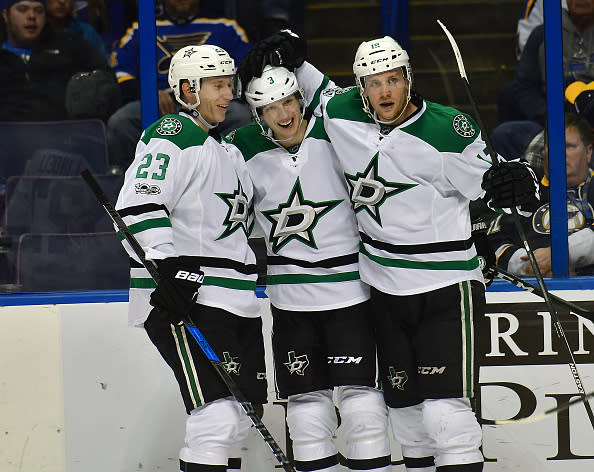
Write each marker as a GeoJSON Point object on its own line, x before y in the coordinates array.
{"type": "Point", "coordinates": [511, 184]}
{"type": "Point", "coordinates": [177, 290]}
{"type": "Point", "coordinates": [283, 48]}
{"type": "Point", "coordinates": [486, 255]}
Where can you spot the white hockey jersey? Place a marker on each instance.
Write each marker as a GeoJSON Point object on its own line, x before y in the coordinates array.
{"type": "Point", "coordinates": [301, 204]}
{"type": "Point", "coordinates": [410, 188]}
{"type": "Point", "coordinates": [186, 194]}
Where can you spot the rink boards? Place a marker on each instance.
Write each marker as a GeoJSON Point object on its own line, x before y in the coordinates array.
{"type": "Point", "coordinates": [81, 391]}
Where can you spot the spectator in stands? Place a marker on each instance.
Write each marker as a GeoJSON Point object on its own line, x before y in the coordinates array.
{"type": "Point", "coordinates": [177, 26]}
{"type": "Point", "coordinates": [36, 63]}
{"type": "Point", "coordinates": [60, 17]}
{"type": "Point", "coordinates": [260, 18]}
{"type": "Point", "coordinates": [522, 102]}
{"type": "Point", "coordinates": [509, 251]}
{"type": "Point", "coordinates": [579, 94]}
{"type": "Point", "coordinates": [532, 16]}
{"type": "Point", "coordinates": [110, 18]}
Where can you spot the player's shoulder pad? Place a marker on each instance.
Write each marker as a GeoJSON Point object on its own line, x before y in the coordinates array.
{"type": "Point", "coordinates": [345, 103]}
{"type": "Point", "coordinates": [444, 128]}
{"type": "Point", "coordinates": [181, 131]}
{"type": "Point", "coordinates": [249, 140]}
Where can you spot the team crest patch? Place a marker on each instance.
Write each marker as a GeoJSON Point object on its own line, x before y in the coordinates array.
{"type": "Point", "coordinates": [169, 127]}
{"type": "Point", "coordinates": [463, 127]}
{"type": "Point", "coordinates": [337, 91]}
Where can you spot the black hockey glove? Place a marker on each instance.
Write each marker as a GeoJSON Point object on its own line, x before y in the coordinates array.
{"type": "Point", "coordinates": [511, 184]}
{"type": "Point", "coordinates": [486, 255]}
{"type": "Point", "coordinates": [283, 48]}
{"type": "Point", "coordinates": [176, 292]}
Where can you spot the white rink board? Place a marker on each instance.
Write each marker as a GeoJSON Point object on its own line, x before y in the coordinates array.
{"type": "Point", "coordinates": [80, 391]}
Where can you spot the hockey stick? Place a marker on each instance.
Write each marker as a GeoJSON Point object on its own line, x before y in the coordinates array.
{"type": "Point", "coordinates": [522, 234]}
{"type": "Point", "coordinates": [544, 414]}
{"type": "Point", "coordinates": [208, 351]}
{"type": "Point", "coordinates": [494, 271]}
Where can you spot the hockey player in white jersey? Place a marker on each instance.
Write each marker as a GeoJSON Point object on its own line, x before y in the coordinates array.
{"type": "Point", "coordinates": [412, 167]}
{"type": "Point", "coordinates": [322, 332]}
{"type": "Point", "coordinates": [187, 200]}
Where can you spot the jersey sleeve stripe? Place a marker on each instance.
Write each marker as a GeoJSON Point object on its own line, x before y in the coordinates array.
{"type": "Point", "coordinates": [315, 101]}
{"type": "Point", "coordinates": [220, 263]}
{"type": "Point", "coordinates": [145, 282]}
{"type": "Point", "coordinates": [141, 209]}
{"type": "Point", "coordinates": [147, 224]}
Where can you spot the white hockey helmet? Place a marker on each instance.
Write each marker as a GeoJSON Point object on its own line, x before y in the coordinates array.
{"type": "Point", "coordinates": [197, 62]}
{"type": "Point", "coordinates": [376, 56]}
{"type": "Point", "coordinates": [275, 84]}
{"type": "Point", "coordinates": [380, 55]}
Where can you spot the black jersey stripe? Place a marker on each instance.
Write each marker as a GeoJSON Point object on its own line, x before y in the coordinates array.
{"type": "Point", "coordinates": [221, 263]}
{"type": "Point", "coordinates": [141, 209]}
{"type": "Point", "coordinates": [426, 248]}
{"type": "Point", "coordinates": [324, 263]}
{"type": "Point", "coordinates": [317, 464]}
{"type": "Point", "coordinates": [218, 263]}
{"type": "Point", "coordinates": [368, 464]}
{"type": "Point", "coordinates": [419, 462]}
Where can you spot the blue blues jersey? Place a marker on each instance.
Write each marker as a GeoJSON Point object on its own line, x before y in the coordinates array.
{"type": "Point", "coordinates": [171, 37]}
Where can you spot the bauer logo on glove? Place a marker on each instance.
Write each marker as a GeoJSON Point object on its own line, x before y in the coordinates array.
{"type": "Point", "coordinates": [177, 290]}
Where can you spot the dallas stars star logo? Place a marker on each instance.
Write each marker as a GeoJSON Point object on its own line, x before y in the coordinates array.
{"type": "Point", "coordinates": [189, 52]}
{"type": "Point", "coordinates": [240, 215]}
{"type": "Point", "coordinates": [296, 219]}
{"type": "Point", "coordinates": [369, 191]}
{"type": "Point", "coordinates": [231, 364]}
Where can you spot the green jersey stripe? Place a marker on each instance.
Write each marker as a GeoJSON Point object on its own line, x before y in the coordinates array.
{"type": "Point", "coordinates": [230, 283]}
{"type": "Point", "coordinates": [147, 224]}
{"type": "Point", "coordinates": [470, 264]}
{"type": "Point", "coordinates": [145, 282]}
{"type": "Point", "coordinates": [309, 278]}
{"type": "Point", "coordinates": [315, 101]}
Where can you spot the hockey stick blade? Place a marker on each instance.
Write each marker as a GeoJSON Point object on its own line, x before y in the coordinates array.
{"type": "Point", "coordinates": [525, 285]}
{"type": "Point", "coordinates": [539, 278]}
{"type": "Point", "coordinates": [195, 332]}
{"type": "Point", "coordinates": [544, 414]}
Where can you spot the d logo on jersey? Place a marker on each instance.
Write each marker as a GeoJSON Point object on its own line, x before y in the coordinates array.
{"type": "Point", "coordinates": [369, 191]}
{"type": "Point", "coordinates": [296, 219]}
{"type": "Point", "coordinates": [239, 215]}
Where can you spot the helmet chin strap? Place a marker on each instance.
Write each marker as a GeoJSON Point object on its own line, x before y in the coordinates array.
{"type": "Point", "coordinates": [196, 114]}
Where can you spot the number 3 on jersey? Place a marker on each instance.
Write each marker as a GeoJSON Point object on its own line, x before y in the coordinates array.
{"type": "Point", "coordinates": [161, 160]}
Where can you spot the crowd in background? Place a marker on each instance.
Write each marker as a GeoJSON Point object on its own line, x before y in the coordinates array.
{"type": "Point", "coordinates": [77, 60]}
